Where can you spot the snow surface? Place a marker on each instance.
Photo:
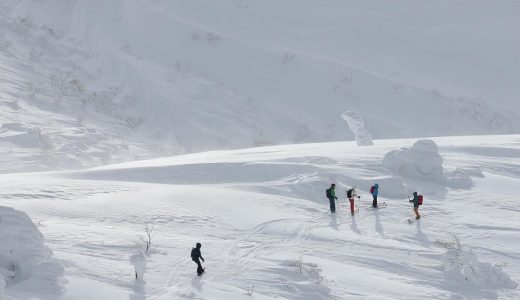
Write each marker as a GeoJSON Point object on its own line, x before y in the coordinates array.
{"type": "Point", "coordinates": [86, 83]}
{"type": "Point", "coordinates": [263, 221]}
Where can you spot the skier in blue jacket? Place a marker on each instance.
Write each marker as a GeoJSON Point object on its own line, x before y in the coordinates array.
{"type": "Point", "coordinates": [374, 190]}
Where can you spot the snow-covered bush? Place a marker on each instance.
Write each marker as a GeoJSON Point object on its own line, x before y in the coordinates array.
{"type": "Point", "coordinates": [423, 161]}
{"type": "Point", "coordinates": [286, 57]}
{"type": "Point", "coordinates": [25, 261]}
{"type": "Point", "coordinates": [138, 260]}
{"type": "Point", "coordinates": [357, 125]}
{"type": "Point", "coordinates": [460, 264]}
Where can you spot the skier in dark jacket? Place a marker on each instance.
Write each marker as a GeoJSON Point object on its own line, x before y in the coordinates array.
{"type": "Point", "coordinates": [415, 202]}
{"type": "Point", "coordinates": [331, 194]}
{"type": "Point", "coordinates": [195, 255]}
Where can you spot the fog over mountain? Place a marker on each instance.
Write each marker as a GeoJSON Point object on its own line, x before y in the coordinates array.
{"type": "Point", "coordinates": [93, 82]}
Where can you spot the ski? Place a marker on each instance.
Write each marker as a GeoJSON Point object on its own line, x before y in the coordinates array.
{"type": "Point", "coordinates": [381, 205]}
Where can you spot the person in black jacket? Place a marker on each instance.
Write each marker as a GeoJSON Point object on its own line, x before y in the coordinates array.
{"type": "Point", "coordinates": [195, 255]}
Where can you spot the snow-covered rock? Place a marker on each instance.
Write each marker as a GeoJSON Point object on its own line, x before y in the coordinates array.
{"type": "Point", "coordinates": [25, 262]}
{"type": "Point", "coordinates": [357, 126]}
{"type": "Point", "coordinates": [423, 161]}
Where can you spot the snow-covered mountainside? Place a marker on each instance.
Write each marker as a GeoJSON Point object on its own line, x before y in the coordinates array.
{"type": "Point", "coordinates": [265, 227]}
{"type": "Point", "coordinates": [86, 83]}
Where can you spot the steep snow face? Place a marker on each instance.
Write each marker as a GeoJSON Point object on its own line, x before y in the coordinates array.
{"type": "Point", "coordinates": [90, 82]}
{"type": "Point", "coordinates": [26, 264]}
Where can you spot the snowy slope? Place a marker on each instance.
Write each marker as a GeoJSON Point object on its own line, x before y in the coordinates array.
{"type": "Point", "coordinates": [86, 83]}
{"type": "Point", "coordinates": [261, 216]}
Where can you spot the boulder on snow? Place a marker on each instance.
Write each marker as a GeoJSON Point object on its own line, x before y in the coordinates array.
{"type": "Point", "coordinates": [25, 262]}
{"type": "Point", "coordinates": [357, 125]}
{"type": "Point", "coordinates": [423, 161]}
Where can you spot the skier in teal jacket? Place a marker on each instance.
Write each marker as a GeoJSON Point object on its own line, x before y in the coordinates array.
{"type": "Point", "coordinates": [415, 202]}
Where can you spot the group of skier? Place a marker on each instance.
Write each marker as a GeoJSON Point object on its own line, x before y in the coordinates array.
{"type": "Point", "coordinates": [351, 194]}
{"type": "Point", "coordinates": [374, 191]}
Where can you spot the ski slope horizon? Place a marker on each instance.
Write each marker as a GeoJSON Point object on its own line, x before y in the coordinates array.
{"type": "Point", "coordinates": [262, 218]}
{"type": "Point", "coordinates": [89, 83]}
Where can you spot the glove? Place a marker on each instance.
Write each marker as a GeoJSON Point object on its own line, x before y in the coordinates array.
{"type": "Point", "coordinates": [336, 198]}
{"type": "Point", "coordinates": [202, 259]}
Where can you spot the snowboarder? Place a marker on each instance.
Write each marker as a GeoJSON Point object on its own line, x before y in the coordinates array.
{"type": "Point", "coordinates": [195, 255]}
{"type": "Point", "coordinates": [351, 194]}
{"type": "Point", "coordinates": [415, 202]}
{"type": "Point", "coordinates": [331, 194]}
{"type": "Point", "coordinates": [374, 190]}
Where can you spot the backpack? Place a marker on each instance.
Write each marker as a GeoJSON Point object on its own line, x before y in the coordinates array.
{"type": "Point", "coordinates": [328, 193]}
{"type": "Point", "coordinates": [372, 189]}
{"type": "Point", "coordinates": [349, 193]}
{"type": "Point", "coordinates": [420, 199]}
{"type": "Point", "coordinates": [193, 253]}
